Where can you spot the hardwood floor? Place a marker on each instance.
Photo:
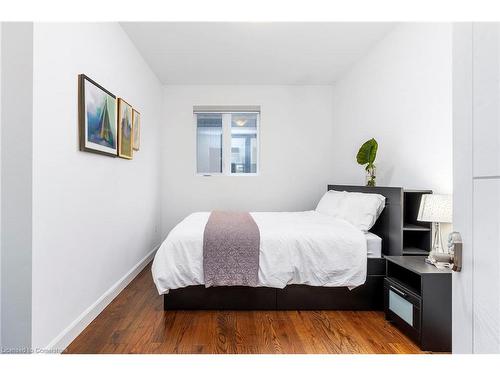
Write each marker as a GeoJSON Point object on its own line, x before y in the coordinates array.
{"type": "Point", "coordinates": [136, 323]}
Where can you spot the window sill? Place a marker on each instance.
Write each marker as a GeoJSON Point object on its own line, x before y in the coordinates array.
{"type": "Point", "coordinates": [227, 175]}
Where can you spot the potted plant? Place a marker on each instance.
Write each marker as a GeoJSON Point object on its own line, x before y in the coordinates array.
{"type": "Point", "coordinates": [366, 156]}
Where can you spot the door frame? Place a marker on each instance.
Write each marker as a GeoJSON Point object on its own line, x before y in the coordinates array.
{"type": "Point", "coordinates": [463, 185]}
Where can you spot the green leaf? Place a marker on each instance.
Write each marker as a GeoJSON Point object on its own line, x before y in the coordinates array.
{"type": "Point", "coordinates": [367, 152]}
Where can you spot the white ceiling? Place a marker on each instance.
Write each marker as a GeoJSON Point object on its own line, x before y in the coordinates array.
{"type": "Point", "coordinates": [253, 53]}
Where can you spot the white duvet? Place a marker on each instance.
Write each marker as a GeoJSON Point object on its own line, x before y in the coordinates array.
{"type": "Point", "coordinates": [295, 248]}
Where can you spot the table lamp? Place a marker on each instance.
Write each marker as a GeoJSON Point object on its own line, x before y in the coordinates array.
{"type": "Point", "coordinates": [436, 208]}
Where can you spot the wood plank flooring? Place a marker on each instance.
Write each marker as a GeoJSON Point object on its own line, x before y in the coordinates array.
{"type": "Point", "coordinates": [136, 323]}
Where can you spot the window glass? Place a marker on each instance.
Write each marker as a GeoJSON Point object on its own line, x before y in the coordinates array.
{"type": "Point", "coordinates": [209, 142]}
{"type": "Point", "coordinates": [244, 142]}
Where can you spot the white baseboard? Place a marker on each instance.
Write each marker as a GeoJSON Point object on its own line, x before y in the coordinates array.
{"type": "Point", "coordinates": [61, 341]}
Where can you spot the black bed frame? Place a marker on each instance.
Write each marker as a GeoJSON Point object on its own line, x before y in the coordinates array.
{"type": "Point", "coordinates": [368, 296]}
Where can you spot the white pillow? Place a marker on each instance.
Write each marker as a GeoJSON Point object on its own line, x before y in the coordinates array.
{"type": "Point", "coordinates": [360, 209]}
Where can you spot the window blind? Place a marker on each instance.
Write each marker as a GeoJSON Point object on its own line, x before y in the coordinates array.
{"type": "Point", "coordinates": [226, 109]}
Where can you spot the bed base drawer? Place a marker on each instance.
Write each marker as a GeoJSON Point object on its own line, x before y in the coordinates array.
{"type": "Point", "coordinates": [368, 296]}
{"type": "Point", "coordinates": [220, 298]}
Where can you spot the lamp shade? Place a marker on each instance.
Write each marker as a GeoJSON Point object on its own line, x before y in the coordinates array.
{"type": "Point", "coordinates": [436, 208]}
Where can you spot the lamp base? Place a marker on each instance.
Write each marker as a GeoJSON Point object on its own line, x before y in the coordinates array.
{"type": "Point", "coordinates": [438, 254]}
{"type": "Point", "coordinates": [437, 243]}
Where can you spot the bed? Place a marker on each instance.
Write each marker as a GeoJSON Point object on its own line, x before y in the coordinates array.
{"type": "Point", "coordinates": [342, 269]}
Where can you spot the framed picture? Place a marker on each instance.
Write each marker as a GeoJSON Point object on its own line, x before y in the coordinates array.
{"type": "Point", "coordinates": [96, 118]}
{"type": "Point", "coordinates": [136, 126]}
{"type": "Point", "coordinates": [125, 136]}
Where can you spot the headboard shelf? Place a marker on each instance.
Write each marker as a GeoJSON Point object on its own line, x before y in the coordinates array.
{"type": "Point", "coordinates": [397, 225]}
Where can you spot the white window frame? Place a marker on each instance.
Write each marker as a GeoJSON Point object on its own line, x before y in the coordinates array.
{"type": "Point", "coordinates": [226, 142]}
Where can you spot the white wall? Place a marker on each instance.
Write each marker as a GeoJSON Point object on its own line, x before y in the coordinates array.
{"type": "Point", "coordinates": [94, 217]}
{"type": "Point", "coordinates": [399, 93]}
{"type": "Point", "coordinates": [296, 143]}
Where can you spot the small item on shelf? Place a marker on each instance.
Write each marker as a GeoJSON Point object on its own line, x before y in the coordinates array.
{"type": "Point", "coordinates": [442, 257]}
{"type": "Point", "coordinates": [441, 265]}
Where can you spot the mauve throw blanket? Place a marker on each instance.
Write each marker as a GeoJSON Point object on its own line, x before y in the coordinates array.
{"type": "Point", "coordinates": [231, 244]}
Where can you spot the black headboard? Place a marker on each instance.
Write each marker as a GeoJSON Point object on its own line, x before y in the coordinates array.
{"type": "Point", "coordinates": [390, 223]}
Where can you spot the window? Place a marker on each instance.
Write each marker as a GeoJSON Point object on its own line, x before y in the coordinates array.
{"type": "Point", "coordinates": [227, 140]}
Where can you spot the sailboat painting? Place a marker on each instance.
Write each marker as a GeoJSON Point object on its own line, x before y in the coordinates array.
{"type": "Point", "coordinates": [125, 137]}
{"type": "Point", "coordinates": [98, 128]}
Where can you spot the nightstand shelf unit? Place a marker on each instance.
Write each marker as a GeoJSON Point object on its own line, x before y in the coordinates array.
{"type": "Point", "coordinates": [417, 300]}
